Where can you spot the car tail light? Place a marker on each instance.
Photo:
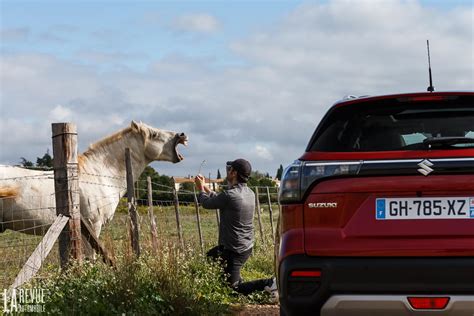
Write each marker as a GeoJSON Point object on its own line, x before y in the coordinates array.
{"type": "Point", "coordinates": [298, 176]}
{"type": "Point", "coordinates": [428, 302]}
{"type": "Point", "coordinates": [306, 273]}
{"type": "Point", "coordinates": [427, 98]}
{"type": "Point", "coordinates": [290, 182]}
{"type": "Point", "coordinates": [304, 282]}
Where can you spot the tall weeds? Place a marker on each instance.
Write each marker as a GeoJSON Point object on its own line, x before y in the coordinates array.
{"type": "Point", "coordinates": [172, 281]}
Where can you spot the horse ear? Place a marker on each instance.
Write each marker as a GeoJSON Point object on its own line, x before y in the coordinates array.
{"type": "Point", "coordinates": [135, 126]}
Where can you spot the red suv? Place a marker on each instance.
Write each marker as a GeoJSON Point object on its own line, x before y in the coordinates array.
{"type": "Point", "coordinates": [377, 215]}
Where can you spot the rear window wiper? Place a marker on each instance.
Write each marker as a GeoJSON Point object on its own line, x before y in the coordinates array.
{"type": "Point", "coordinates": [447, 141]}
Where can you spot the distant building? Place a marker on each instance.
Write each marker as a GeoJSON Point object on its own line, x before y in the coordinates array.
{"type": "Point", "coordinates": [277, 182]}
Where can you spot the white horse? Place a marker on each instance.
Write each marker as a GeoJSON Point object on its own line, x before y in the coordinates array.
{"type": "Point", "coordinates": [27, 200]}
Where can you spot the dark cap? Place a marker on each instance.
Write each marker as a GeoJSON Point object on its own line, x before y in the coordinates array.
{"type": "Point", "coordinates": [242, 167]}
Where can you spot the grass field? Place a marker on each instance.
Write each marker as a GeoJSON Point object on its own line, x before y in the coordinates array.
{"type": "Point", "coordinates": [171, 280]}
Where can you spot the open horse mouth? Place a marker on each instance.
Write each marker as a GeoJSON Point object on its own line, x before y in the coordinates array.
{"type": "Point", "coordinates": [180, 139]}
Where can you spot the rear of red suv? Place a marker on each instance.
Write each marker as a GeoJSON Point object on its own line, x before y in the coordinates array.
{"type": "Point", "coordinates": [377, 215]}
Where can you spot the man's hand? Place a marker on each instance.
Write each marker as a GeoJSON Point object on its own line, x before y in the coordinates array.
{"type": "Point", "coordinates": [200, 182]}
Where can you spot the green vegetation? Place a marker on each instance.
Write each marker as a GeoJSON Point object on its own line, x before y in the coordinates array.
{"type": "Point", "coordinates": [161, 185]}
{"type": "Point", "coordinates": [279, 172]}
{"type": "Point", "coordinates": [168, 280]}
{"type": "Point", "coordinates": [172, 281]}
{"type": "Point", "coordinates": [41, 162]}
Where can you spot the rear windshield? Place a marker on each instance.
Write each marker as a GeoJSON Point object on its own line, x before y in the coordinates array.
{"type": "Point", "coordinates": [396, 124]}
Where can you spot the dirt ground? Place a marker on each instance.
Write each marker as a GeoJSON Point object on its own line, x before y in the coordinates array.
{"type": "Point", "coordinates": [254, 310]}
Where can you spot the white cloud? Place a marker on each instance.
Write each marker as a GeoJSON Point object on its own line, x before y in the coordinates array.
{"type": "Point", "coordinates": [367, 45]}
{"type": "Point", "coordinates": [60, 114]}
{"type": "Point", "coordinates": [101, 57]}
{"type": "Point", "coordinates": [263, 152]}
{"type": "Point", "coordinates": [264, 111]}
{"type": "Point", "coordinates": [14, 34]}
{"type": "Point", "coordinates": [21, 138]}
{"type": "Point", "coordinates": [196, 22]}
{"type": "Point", "coordinates": [52, 37]}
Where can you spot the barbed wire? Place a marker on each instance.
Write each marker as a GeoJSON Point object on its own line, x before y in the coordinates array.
{"type": "Point", "coordinates": [32, 227]}
{"type": "Point", "coordinates": [43, 168]}
{"type": "Point", "coordinates": [102, 176]}
{"type": "Point", "coordinates": [27, 167]}
{"type": "Point", "coordinates": [50, 175]}
{"type": "Point", "coordinates": [161, 185]}
{"type": "Point", "coordinates": [103, 185]}
{"type": "Point", "coordinates": [46, 176]}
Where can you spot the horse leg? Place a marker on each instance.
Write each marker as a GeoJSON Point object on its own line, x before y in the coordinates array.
{"type": "Point", "coordinates": [89, 252]}
{"type": "Point", "coordinates": [87, 249]}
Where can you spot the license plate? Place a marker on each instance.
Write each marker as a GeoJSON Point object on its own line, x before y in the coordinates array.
{"type": "Point", "coordinates": [425, 208]}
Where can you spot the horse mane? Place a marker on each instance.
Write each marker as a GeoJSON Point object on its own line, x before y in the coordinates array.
{"type": "Point", "coordinates": [106, 141]}
{"type": "Point", "coordinates": [96, 147]}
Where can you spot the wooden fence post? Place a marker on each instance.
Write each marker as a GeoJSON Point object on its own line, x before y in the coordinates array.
{"type": "Point", "coordinates": [218, 216]}
{"type": "Point", "coordinates": [154, 239]}
{"type": "Point", "coordinates": [257, 205]}
{"type": "Point", "coordinates": [198, 217]}
{"type": "Point", "coordinates": [132, 208]}
{"type": "Point", "coordinates": [271, 212]}
{"type": "Point", "coordinates": [66, 186]}
{"type": "Point", "coordinates": [178, 221]}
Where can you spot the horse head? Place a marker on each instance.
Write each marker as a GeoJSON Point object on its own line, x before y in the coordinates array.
{"type": "Point", "coordinates": [160, 144]}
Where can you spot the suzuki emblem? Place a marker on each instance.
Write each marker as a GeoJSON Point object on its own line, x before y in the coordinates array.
{"type": "Point", "coordinates": [425, 167]}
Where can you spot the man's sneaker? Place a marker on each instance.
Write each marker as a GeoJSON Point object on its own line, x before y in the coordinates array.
{"type": "Point", "coordinates": [273, 290]}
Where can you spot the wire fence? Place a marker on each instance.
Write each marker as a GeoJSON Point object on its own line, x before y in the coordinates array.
{"type": "Point", "coordinates": [182, 206]}
{"type": "Point", "coordinates": [48, 217]}
{"type": "Point", "coordinates": [176, 218]}
{"type": "Point", "coordinates": [21, 229]}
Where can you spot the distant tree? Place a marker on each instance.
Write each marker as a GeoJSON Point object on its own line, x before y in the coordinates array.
{"type": "Point", "coordinates": [259, 179]}
{"type": "Point", "coordinates": [218, 174]}
{"type": "Point", "coordinates": [45, 161]}
{"type": "Point", "coordinates": [253, 180]}
{"type": "Point", "coordinates": [25, 162]}
{"type": "Point", "coordinates": [279, 172]}
{"type": "Point", "coordinates": [266, 182]}
{"type": "Point", "coordinates": [257, 174]}
{"type": "Point", "coordinates": [186, 192]}
{"type": "Point", "coordinates": [162, 186]}
{"type": "Point", "coordinates": [187, 186]}
{"type": "Point", "coordinates": [148, 172]}
{"type": "Point", "coordinates": [142, 185]}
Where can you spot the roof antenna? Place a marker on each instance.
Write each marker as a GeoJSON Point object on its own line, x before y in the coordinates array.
{"type": "Point", "coordinates": [430, 88]}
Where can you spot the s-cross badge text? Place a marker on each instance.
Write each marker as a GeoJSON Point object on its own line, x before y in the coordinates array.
{"type": "Point", "coordinates": [425, 167]}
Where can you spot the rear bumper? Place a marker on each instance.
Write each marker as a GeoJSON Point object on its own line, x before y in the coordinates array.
{"type": "Point", "coordinates": [392, 305]}
{"type": "Point", "coordinates": [371, 276]}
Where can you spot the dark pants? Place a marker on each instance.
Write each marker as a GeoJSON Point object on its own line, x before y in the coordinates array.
{"type": "Point", "coordinates": [232, 263]}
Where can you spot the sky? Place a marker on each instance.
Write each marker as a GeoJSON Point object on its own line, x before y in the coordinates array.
{"type": "Point", "coordinates": [248, 79]}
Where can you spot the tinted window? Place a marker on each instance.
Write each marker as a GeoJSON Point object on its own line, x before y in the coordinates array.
{"type": "Point", "coordinates": [394, 125]}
